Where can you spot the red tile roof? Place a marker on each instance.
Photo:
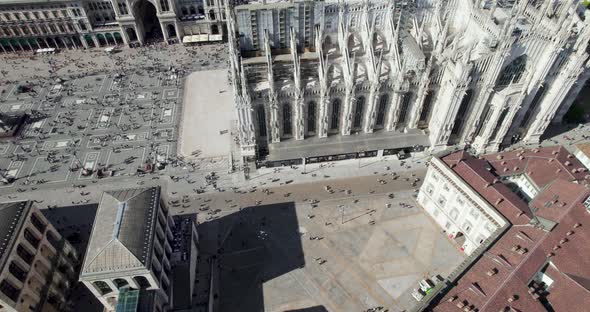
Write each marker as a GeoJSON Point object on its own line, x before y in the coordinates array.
{"type": "Point", "coordinates": [473, 171]}
{"type": "Point", "coordinates": [499, 280]}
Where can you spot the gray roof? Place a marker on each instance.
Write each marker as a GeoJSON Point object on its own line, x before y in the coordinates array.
{"type": "Point", "coordinates": [11, 219]}
{"type": "Point", "coordinates": [123, 232]}
{"type": "Point", "coordinates": [31, 1]}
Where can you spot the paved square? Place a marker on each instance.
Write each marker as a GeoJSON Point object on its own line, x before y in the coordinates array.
{"type": "Point", "coordinates": [374, 256]}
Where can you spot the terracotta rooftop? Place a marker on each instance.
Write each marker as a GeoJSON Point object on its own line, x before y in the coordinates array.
{"type": "Point", "coordinates": [541, 165]}
{"type": "Point", "coordinates": [501, 279]}
{"type": "Point", "coordinates": [475, 173]}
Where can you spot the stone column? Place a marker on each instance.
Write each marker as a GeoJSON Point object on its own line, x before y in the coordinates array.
{"type": "Point", "coordinates": [153, 282]}
{"type": "Point", "coordinates": [112, 285]}
{"type": "Point", "coordinates": [96, 42]}
{"type": "Point", "coordinates": [164, 28]}
{"type": "Point", "coordinates": [274, 123]}
{"type": "Point", "coordinates": [131, 282]}
{"type": "Point", "coordinates": [299, 123]}
{"type": "Point", "coordinates": [394, 105]}
{"type": "Point", "coordinates": [369, 120]}
{"type": "Point", "coordinates": [84, 43]}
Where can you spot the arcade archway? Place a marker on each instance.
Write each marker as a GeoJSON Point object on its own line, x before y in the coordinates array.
{"type": "Point", "coordinates": [146, 16]}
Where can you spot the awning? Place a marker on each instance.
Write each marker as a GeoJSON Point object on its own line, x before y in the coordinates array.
{"type": "Point", "coordinates": [215, 37]}
{"type": "Point", "coordinates": [46, 50]}
{"type": "Point", "coordinates": [201, 38]}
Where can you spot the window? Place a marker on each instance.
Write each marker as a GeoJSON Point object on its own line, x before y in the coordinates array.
{"type": "Point", "coordinates": [460, 201]}
{"type": "Point", "coordinates": [434, 176]}
{"type": "Point", "coordinates": [102, 287]}
{"type": "Point", "coordinates": [287, 125]}
{"type": "Point", "coordinates": [429, 189]}
{"type": "Point", "coordinates": [17, 271]}
{"type": "Point", "coordinates": [261, 121]}
{"type": "Point", "coordinates": [53, 240]}
{"type": "Point", "coordinates": [454, 214]}
{"type": "Point", "coordinates": [311, 107]}
{"type": "Point", "coordinates": [474, 213]}
{"type": "Point", "coordinates": [358, 113]}
{"type": "Point", "coordinates": [381, 110]}
{"type": "Point", "coordinates": [489, 227]}
{"type": "Point", "coordinates": [404, 110]}
{"type": "Point", "coordinates": [34, 241]}
{"type": "Point", "coordinates": [467, 227]}
{"type": "Point", "coordinates": [442, 201]}
{"type": "Point", "coordinates": [446, 187]}
{"type": "Point", "coordinates": [37, 223]}
{"type": "Point", "coordinates": [9, 290]}
{"type": "Point", "coordinates": [164, 5]}
{"type": "Point", "coordinates": [334, 124]}
{"type": "Point", "coordinates": [480, 239]}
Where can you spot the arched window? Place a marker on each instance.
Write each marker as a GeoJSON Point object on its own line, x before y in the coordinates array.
{"type": "Point", "coordinates": [164, 5]}
{"type": "Point", "coordinates": [212, 15]}
{"type": "Point", "coordinates": [102, 287]}
{"type": "Point", "coordinates": [358, 112]}
{"type": "Point", "coordinates": [404, 109]}
{"type": "Point", "coordinates": [142, 282]}
{"type": "Point", "coordinates": [261, 117]}
{"type": "Point", "coordinates": [192, 10]}
{"type": "Point", "coordinates": [184, 11]}
{"type": "Point", "coordinates": [327, 44]}
{"type": "Point", "coordinates": [335, 123]}
{"type": "Point", "coordinates": [311, 107]}
{"type": "Point", "coordinates": [514, 71]}
{"type": "Point", "coordinates": [381, 110]}
{"type": "Point", "coordinates": [287, 125]}
{"type": "Point", "coordinates": [119, 282]}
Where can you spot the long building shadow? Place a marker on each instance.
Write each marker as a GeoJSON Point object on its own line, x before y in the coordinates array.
{"type": "Point", "coordinates": [74, 223]}
{"type": "Point", "coordinates": [248, 248]}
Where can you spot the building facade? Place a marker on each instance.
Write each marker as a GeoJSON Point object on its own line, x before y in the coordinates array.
{"type": "Point", "coordinates": [130, 248]}
{"type": "Point", "coordinates": [476, 73]}
{"type": "Point", "coordinates": [462, 213]}
{"type": "Point", "coordinates": [71, 24]}
{"type": "Point", "coordinates": [37, 265]}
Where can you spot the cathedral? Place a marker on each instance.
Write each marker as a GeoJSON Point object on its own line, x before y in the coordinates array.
{"type": "Point", "coordinates": [340, 79]}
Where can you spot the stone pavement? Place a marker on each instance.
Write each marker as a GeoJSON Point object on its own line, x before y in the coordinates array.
{"type": "Point", "coordinates": [207, 116]}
